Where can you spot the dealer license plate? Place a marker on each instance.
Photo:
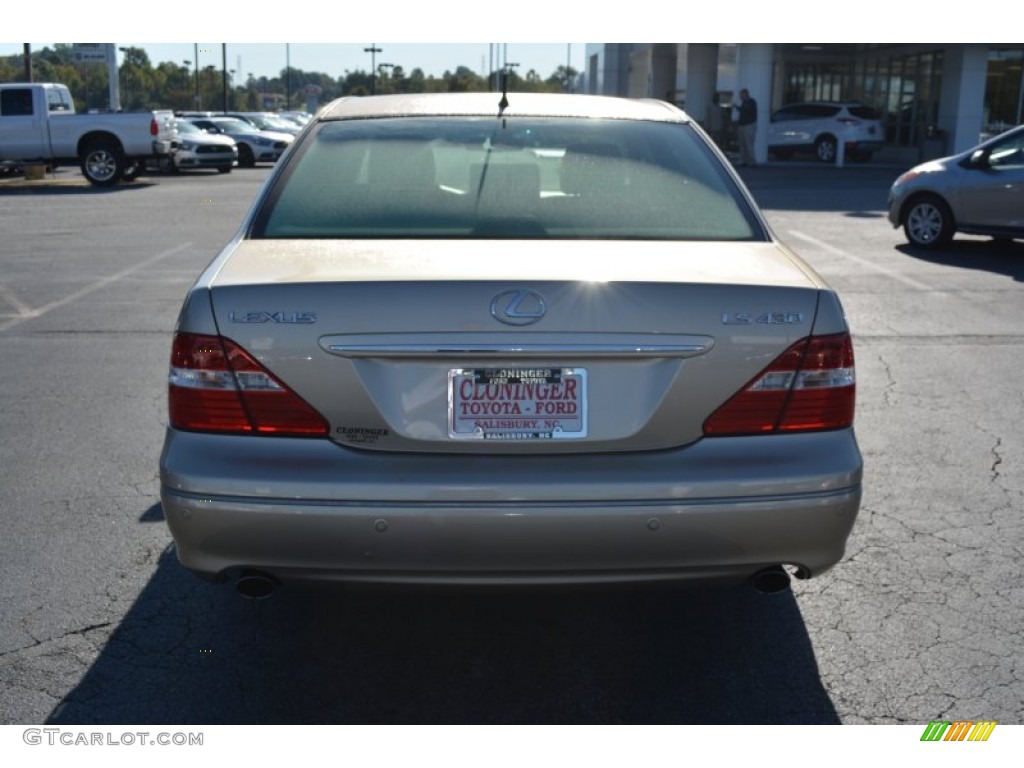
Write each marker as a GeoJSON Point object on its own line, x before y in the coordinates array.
{"type": "Point", "coordinates": [517, 403]}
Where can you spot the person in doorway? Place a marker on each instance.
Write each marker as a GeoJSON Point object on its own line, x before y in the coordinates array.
{"type": "Point", "coordinates": [747, 128]}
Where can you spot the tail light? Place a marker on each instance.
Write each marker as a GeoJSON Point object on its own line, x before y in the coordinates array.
{"type": "Point", "coordinates": [154, 127]}
{"type": "Point", "coordinates": [216, 386]}
{"type": "Point", "coordinates": [811, 386]}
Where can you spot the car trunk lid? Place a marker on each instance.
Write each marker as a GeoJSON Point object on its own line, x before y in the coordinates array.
{"type": "Point", "coordinates": [514, 346]}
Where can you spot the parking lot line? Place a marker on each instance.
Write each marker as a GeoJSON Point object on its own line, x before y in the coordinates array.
{"type": "Point", "coordinates": [27, 313]}
{"type": "Point", "coordinates": [907, 281]}
{"type": "Point", "coordinates": [8, 296]}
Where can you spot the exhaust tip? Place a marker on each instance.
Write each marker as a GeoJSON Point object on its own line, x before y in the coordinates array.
{"type": "Point", "coordinates": [255, 586]}
{"type": "Point", "coordinates": [771, 581]}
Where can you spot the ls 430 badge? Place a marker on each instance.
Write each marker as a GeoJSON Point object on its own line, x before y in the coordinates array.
{"type": "Point", "coordinates": [258, 316]}
{"type": "Point", "coordinates": [767, 318]}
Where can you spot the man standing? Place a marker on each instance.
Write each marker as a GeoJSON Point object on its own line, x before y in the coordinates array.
{"type": "Point", "coordinates": [747, 128]}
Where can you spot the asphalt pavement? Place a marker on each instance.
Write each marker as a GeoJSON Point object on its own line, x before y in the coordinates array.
{"type": "Point", "coordinates": [920, 621]}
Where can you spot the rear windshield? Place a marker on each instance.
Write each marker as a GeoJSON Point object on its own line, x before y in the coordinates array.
{"type": "Point", "coordinates": [518, 178]}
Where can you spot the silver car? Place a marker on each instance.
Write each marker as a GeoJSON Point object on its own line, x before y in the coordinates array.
{"type": "Point", "coordinates": [254, 145]}
{"type": "Point", "coordinates": [979, 192]}
{"type": "Point", "coordinates": [552, 341]}
{"type": "Point", "coordinates": [195, 148]}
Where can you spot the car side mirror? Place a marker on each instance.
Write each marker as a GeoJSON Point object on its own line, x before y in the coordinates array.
{"type": "Point", "coordinates": [979, 158]}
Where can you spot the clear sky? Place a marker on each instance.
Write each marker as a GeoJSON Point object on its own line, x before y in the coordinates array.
{"type": "Point", "coordinates": [268, 59]}
{"type": "Point", "coordinates": [324, 37]}
{"type": "Point", "coordinates": [444, 34]}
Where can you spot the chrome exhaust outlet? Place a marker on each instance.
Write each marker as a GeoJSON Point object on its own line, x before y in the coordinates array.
{"type": "Point", "coordinates": [770, 580]}
{"type": "Point", "coordinates": [255, 586]}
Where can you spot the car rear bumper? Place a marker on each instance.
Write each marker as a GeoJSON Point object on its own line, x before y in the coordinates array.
{"type": "Point", "coordinates": [633, 523]}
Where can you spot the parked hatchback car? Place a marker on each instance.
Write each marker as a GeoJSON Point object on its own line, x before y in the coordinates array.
{"type": "Point", "coordinates": [818, 127]}
{"type": "Point", "coordinates": [547, 341]}
{"type": "Point", "coordinates": [979, 192]}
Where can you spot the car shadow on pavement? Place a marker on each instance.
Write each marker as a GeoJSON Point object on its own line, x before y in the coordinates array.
{"type": "Point", "coordinates": [987, 255]}
{"type": "Point", "coordinates": [188, 652]}
{"type": "Point", "coordinates": [61, 188]}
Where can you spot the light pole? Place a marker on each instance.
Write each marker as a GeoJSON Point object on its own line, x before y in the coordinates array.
{"type": "Point", "coordinates": [210, 83]}
{"type": "Point", "coordinates": [127, 84]}
{"type": "Point", "coordinates": [509, 66]}
{"type": "Point", "coordinates": [568, 67]}
{"type": "Point", "coordinates": [224, 75]}
{"type": "Point", "coordinates": [373, 50]}
{"type": "Point", "coordinates": [198, 101]}
{"type": "Point", "coordinates": [188, 68]}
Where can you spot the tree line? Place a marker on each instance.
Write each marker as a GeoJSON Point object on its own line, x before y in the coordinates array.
{"type": "Point", "coordinates": [173, 85]}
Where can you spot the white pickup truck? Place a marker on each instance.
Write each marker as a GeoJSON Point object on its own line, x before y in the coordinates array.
{"type": "Point", "coordinates": [38, 123]}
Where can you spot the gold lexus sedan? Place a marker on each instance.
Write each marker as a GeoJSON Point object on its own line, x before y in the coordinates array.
{"type": "Point", "coordinates": [531, 339]}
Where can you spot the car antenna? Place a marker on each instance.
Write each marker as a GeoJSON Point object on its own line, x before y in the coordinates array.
{"type": "Point", "coordinates": [503, 104]}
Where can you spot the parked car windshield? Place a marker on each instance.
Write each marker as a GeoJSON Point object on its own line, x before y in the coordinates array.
{"type": "Point", "coordinates": [273, 122]}
{"type": "Point", "coordinates": [233, 125]}
{"type": "Point", "coordinates": [520, 178]}
{"type": "Point", "coordinates": [184, 126]}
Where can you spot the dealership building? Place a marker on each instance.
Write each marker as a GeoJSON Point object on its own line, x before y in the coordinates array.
{"type": "Point", "coordinates": [934, 99]}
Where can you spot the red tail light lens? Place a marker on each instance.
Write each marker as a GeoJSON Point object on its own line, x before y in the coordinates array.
{"type": "Point", "coordinates": [216, 386]}
{"type": "Point", "coordinates": [154, 127]}
{"type": "Point", "coordinates": [811, 386]}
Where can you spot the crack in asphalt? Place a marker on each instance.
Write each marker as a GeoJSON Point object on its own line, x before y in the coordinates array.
{"type": "Point", "coordinates": [911, 610]}
{"type": "Point", "coordinates": [81, 632]}
{"type": "Point", "coordinates": [997, 460]}
{"type": "Point", "coordinates": [890, 382]}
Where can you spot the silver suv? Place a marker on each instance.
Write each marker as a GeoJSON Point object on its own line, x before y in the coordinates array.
{"type": "Point", "coordinates": [818, 126]}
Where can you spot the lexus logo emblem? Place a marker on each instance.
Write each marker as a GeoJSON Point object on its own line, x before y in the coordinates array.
{"type": "Point", "coordinates": [520, 307]}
